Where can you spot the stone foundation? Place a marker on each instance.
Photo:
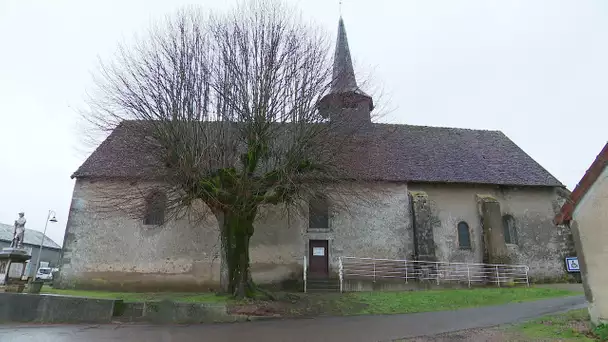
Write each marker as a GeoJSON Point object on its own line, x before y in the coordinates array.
{"type": "Point", "coordinates": [366, 285]}
{"type": "Point", "coordinates": [17, 307]}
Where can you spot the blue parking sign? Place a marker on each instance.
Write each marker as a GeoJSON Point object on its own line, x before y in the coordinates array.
{"type": "Point", "coordinates": [572, 264]}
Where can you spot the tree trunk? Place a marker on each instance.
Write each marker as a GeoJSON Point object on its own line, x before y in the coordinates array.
{"type": "Point", "coordinates": [244, 286]}
{"type": "Point", "coordinates": [224, 268]}
{"type": "Point", "coordinates": [236, 234]}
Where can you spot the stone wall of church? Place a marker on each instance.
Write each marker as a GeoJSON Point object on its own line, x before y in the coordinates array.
{"type": "Point", "coordinates": [109, 248]}
{"type": "Point", "coordinates": [114, 249]}
{"type": "Point", "coordinates": [541, 245]}
{"type": "Point", "coordinates": [366, 221]}
{"type": "Point", "coordinates": [105, 247]}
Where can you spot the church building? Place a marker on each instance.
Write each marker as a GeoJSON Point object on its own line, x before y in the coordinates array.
{"type": "Point", "coordinates": [443, 194]}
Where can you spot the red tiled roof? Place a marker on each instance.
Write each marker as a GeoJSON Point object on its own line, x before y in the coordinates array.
{"type": "Point", "coordinates": [595, 170]}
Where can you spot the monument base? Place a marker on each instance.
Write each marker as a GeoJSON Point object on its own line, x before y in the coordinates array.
{"type": "Point", "coordinates": [12, 267]}
{"type": "Point", "coordinates": [15, 288]}
{"type": "Point", "coordinates": [15, 253]}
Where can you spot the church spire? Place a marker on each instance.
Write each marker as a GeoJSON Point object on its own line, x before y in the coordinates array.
{"type": "Point", "coordinates": [345, 101]}
{"type": "Point", "coordinates": [343, 73]}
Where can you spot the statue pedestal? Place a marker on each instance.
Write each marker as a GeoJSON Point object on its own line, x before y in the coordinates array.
{"type": "Point", "coordinates": [12, 267]}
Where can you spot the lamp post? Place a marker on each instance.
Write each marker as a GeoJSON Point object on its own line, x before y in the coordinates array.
{"type": "Point", "coordinates": [48, 219]}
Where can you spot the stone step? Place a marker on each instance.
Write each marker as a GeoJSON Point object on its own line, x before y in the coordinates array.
{"type": "Point", "coordinates": [324, 280]}
{"type": "Point", "coordinates": [322, 290]}
{"type": "Point", "coordinates": [323, 285]}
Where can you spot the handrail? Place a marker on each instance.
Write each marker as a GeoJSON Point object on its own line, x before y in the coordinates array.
{"type": "Point", "coordinates": [434, 262]}
{"type": "Point", "coordinates": [305, 271]}
{"type": "Point", "coordinates": [340, 272]}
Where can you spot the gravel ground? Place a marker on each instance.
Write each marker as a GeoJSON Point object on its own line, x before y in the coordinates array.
{"type": "Point", "coordinates": [495, 334]}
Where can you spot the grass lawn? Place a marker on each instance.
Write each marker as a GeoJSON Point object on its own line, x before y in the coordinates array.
{"type": "Point", "coordinates": [440, 300]}
{"type": "Point", "coordinates": [376, 303]}
{"type": "Point", "coordinates": [354, 303]}
{"type": "Point", "coordinates": [571, 326]}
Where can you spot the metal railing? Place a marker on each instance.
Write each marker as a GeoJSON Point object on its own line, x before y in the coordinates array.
{"type": "Point", "coordinates": [430, 271]}
{"type": "Point", "coordinates": [305, 271]}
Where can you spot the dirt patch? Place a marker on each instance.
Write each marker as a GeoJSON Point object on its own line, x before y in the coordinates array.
{"type": "Point", "coordinates": [487, 334]}
{"type": "Point", "coordinates": [577, 326]}
{"type": "Point", "coordinates": [298, 305]}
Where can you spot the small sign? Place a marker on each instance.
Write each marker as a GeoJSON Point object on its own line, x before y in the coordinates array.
{"type": "Point", "coordinates": [318, 251]}
{"type": "Point", "coordinates": [572, 264]}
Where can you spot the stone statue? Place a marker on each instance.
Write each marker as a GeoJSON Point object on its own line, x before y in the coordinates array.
{"type": "Point", "coordinates": [19, 231]}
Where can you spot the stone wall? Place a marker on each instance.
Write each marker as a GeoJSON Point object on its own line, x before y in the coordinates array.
{"type": "Point", "coordinates": [115, 250]}
{"type": "Point", "coordinates": [48, 309]}
{"type": "Point", "coordinates": [366, 221]}
{"type": "Point", "coordinates": [541, 244]}
{"type": "Point", "coordinates": [111, 248]}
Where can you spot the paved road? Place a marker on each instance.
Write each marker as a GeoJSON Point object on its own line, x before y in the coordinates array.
{"type": "Point", "coordinates": [352, 329]}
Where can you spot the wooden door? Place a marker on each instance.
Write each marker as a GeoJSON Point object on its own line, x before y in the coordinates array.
{"type": "Point", "coordinates": [318, 259]}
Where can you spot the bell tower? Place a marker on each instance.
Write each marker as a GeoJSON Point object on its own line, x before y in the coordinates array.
{"type": "Point", "coordinates": [345, 101]}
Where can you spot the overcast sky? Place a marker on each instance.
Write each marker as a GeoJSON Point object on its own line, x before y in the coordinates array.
{"type": "Point", "coordinates": [535, 69]}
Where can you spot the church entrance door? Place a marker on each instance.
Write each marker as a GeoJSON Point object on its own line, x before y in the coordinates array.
{"type": "Point", "coordinates": [318, 258]}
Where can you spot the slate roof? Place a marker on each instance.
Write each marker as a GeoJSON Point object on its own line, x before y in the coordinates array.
{"type": "Point", "coordinates": [592, 174]}
{"type": "Point", "coordinates": [343, 72]}
{"type": "Point", "coordinates": [32, 237]}
{"type": "Point", "coordinates": [397, 153]}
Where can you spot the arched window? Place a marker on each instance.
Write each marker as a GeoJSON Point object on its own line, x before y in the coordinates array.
{"type": "Point", "coordinates": [509, 230]}
{"type": "Point", "coordinates": [464, 235]}
{"type": "Point", "coordinates": [318, 212]}
{"type": "Point", "coordinates": [156, 204]}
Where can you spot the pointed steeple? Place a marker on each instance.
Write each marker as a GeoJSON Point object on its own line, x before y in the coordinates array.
{"type": "Point", "coordinates": [345, 101]}
{"type": "Point", "coordinates": [343, 72]}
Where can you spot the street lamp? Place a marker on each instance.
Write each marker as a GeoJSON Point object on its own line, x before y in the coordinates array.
{"type": "Point", "coordinates": [48, 219]}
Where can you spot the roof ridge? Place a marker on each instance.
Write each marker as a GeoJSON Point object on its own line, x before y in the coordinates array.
{"type": "Point", "coordinates": [439, 127]}
{"type": "Point", "coordinates": [589, 178]}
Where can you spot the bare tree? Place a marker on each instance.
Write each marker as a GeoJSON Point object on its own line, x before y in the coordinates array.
{"type": "Point", "coordinates": [229, 107]}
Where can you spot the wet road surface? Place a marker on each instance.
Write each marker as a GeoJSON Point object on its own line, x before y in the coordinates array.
{"type": "Point", "coordinates": [352, 329]}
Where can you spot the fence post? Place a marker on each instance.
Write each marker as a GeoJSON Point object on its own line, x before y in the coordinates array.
{"type": "Point", "coordinates": [469, 274]}
{"type": "Point", "coordinates": [497, 276]}
{"type": "Point", "coordinates": [305, 271]}
{"type": "Point", "coordinates": [405, 263]}
{"type": "Point", "coordinates": [527, 279]}
{"type": "Point", "coordinates": [437, 273]}
{"type": "Point", "coordinates": [374, 271]}
{"type": "Point", "coordinates": [341, 272]}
